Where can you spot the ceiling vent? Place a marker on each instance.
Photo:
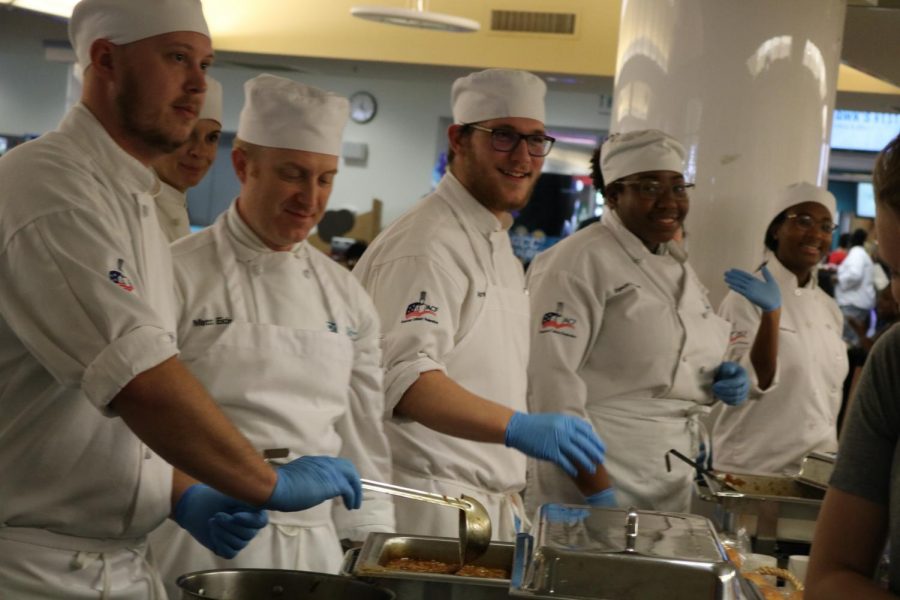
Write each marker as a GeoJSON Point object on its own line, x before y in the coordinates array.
{"type": "Point", "coordinates": [516, 21]}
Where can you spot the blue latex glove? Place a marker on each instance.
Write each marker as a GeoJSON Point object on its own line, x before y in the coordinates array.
{"type": "Point", "coordinates": [764, 294]}
{"type": "Point", "coordinates": [605, 498]}
{"type": "Point", "coordinates": [731, 383]}
{"type": "Point", "coordinates": [219, 522]}
{"type": "Point", "coordinates": [311, 480]}
{"type": "Point", "coordinates": [562, 439]}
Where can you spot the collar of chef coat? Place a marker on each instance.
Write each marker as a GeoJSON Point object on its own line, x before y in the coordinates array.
{"type": "Point", "coordinates": [249, 247]}
{"type": "Point", "coordinates": [167, 192]}
{"type": "Point", "coordinates": [471, 210]}
{"type": "Point", "coordinates": [84, 127]}
{"type": "Point", "coordinates": [633, 245]}
{"type": "Point", "coordinates": [787, 281]}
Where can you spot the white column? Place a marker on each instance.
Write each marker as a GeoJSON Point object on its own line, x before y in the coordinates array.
{"type": "Point", "coordinates": [749, 88]}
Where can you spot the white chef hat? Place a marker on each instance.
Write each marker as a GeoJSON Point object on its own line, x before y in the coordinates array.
{"type": "Point", "coordinates": [126, 21]}
{"type": "Point", "coordinates": [625, 154]}
{"type": "Point", "coordinates": [497, 94]}
{"type": "Point", "coordinates": [281, 113]}
{"type": "Point", "coordinates": [212, 104]}
{"type": "Point", "coordinates": [798, 193]}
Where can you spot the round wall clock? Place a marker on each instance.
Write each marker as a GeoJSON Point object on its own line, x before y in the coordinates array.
{"type": "Point", "coordinates": [362, 107]}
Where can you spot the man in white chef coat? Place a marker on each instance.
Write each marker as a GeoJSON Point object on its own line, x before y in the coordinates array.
{"type": "Point", "coordinates": [284, 338]}
{"type": "Point", "coordinates": [452, 301]}
{"type": "Point", "coordinates": [93, 401]}
{"type": "Point", "coordinates": [185, 167]}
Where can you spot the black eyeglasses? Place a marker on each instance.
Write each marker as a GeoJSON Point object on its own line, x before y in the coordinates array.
{"type": "Point", "coordinates": [651, 189]}
{"type": "Point", "coordinates": [507, 140]}
{"type": "Point", "coordinates": [806, 222]}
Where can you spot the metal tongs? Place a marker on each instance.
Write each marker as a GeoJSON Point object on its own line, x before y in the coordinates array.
{"type": "Point", "coordinates": [474, 522]}
{"type": "Point", "coordinates": [720, 479]}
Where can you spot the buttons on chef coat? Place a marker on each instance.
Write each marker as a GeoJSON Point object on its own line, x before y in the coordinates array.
{"type": "Point", "coordinates": [307, 273]}
{"type": "Point", "coordinates": [798, 292]}
{"type": "Point", "coordinates": [145, 211]}
{"type": "Point", "coordinates": [148, 454]}
{"type": "Point", "coordinates": [256, 269]}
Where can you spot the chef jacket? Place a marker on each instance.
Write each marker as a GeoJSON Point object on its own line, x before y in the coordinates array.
{"type": "Point", "coordinates": [86, 304]}
{"type": "Point", "coordinates": [770, 434]}
{"type": "Point", "coordinates": [627, 339]}
{"type": "Point", "coordinates": [172, 212]}
{"type": "Point", "coordinates": [854, 280]}
{"type": "Point", "coordinates": [441, 277]}
{"type": "Point", "coordinates": [303, 295]}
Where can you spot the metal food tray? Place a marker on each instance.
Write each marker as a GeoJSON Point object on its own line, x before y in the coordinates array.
{"type": "Point", "coordinates": [368, 562]}
{"type": "Point", "coordinates": [816, 469]}
{"type": "Point", "coordinates": [580, 552]}
{"type": "Point", "coordinates": [769, 508]}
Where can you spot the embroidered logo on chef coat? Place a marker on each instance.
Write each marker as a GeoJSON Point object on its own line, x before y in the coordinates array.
{"type": "Point", "coordinates": [119, 278]}
{"type": "Point", "coordinates": [737, 336]}
{"type": "Point", "coordinates": [420, 311]}
{"type": "Point", "coordinates": [557, 322]}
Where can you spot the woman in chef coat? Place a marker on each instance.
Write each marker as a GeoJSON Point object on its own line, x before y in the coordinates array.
{"type": "Point", "coordinates": [790, 343]}
{"type": "Point", "coordinates": [623, 333]}
{"type": "Point", "coordinates": [187, 166]}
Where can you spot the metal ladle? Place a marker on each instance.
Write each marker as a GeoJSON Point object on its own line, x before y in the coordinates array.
{"type": "Point", "coordinates": [474, 522]}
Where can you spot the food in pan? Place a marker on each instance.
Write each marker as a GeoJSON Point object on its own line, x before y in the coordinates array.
{"type": "Point", "coordinates": [416, 565]}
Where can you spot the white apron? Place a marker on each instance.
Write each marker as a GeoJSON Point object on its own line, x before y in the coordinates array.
{"type": "Point", "coordinates": [489, 360]}
{"type": "Point", "coordinates": [283, 388]}
{"type": "Point", "coordinates": [638, 431]}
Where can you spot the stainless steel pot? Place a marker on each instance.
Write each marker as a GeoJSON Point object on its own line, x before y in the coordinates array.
{"type": "Point", "coordinates": [276, 584]}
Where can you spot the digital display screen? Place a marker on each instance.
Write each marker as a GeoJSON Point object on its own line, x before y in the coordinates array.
{"type": "Point", "coordinates": [865, 200]}
{"type": "Point", "coordinates": [864, 131]}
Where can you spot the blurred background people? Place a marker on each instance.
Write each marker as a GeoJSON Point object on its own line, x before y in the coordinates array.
{"type": "Point", "coordinates": [855, 290]}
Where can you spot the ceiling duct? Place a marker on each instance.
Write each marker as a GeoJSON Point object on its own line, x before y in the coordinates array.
{"type": "Point", "coordinates": [517, 21]}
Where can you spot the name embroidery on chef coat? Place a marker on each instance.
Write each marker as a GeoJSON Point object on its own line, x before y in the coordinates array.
{"type": "Point", "coordinates": [213, 321]}
{"type": "Point", "coordinates": [119, 278]}
{"type": "Point", "coordinates": [556, 322]}
{"type": "Point", "coordinates": [420, 311]}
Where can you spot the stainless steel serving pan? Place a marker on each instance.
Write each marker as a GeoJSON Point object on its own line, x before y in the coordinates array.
{"type": "Point", "coordinates": [580, 552]}
{"type": "Point", "coordinates": [368, 564]}
{"type": "Point", "coordinates": [816, 469]}
{"type": "Point", "coordinates": [769, 508]}
{"type": "Point", "coordinates": [275, 584]}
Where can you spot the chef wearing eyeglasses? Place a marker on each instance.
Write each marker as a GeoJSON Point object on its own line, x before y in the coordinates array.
{"type": "Point", "coordinates": [623, 334]}
{"type": "Point", "coordinates": [787, 333]}
{"type": "Point", "coordinates": [454, 310]}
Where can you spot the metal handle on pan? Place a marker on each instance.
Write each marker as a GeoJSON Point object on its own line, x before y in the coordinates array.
{"type": "Point", "coordinates": [631, 530]}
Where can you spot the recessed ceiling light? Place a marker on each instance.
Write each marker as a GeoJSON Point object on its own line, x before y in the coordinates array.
{"type": "Point", "coordinates": [415, 18]}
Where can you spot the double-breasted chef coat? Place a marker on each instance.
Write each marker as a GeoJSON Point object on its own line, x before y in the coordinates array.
{"type": "Point", "coordinates": [770, 434]}
{"type": "Point", "coordinates": [86, 304]}
{"type": "Point", "coordinates": [451, 297]}
{"type": "Point", "coordinates": [627, 339]}
{"type": "Point", "coordinates": [287, 344]}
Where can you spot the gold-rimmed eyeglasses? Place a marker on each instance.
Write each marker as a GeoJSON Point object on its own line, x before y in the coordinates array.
{"type": "Point", "coordinates": [806, 222]}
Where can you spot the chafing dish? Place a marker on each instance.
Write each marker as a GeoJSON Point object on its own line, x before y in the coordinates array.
{"type": "Point", "coordinates": [769, 508]}
{"type": "Point", "coordinates": [816, 469]}
{"type": "Point", "coordinates": [275, 584]}
{"type": "Point", "coordinates": [368, 563]}
{"type": "Point", "coordinates": [579, 552]}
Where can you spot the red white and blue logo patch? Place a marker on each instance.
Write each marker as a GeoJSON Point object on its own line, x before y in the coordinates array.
{"type": "Point", "coordinates": [420, 311]}
{"type": "Point", "coordinates": [119, 278]}
{"type": "Point", "coordinates": [556, 322]}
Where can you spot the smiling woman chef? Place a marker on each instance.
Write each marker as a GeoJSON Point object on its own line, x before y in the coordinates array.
{"type": "Point", "coordinates": [623, 333]}
{"type": "Point", "coordinates": [798, 336]}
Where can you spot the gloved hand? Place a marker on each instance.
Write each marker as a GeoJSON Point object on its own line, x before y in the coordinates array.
{"type": "Point", "coordinates": [562, 439]}
{"type": "Point", "coordinates": [764, 294]}
{"type": "Point", "coordinates": [311, 480]}
{"type": "Point", "coordinates": [219, 522]}
{"type": "Point", "coordinates": [605, 498]}
{"type": "Point", "coordinates": [731, 383]}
